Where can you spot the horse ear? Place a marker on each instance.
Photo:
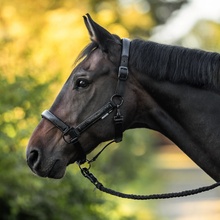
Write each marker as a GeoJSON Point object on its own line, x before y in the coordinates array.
{"type": "Point", "coordinates": [98, 34]}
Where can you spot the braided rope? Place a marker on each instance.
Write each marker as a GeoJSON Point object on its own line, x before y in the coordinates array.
{"type": "Point", "coordinates": [102, 188]}
{"type": "Point", "coordinates": [158, 196]}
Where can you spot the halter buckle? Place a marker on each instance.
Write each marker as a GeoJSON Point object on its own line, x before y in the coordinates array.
{"type": "Point", "coordinates": [73, 135]}
{"type": "Point", "coordinates": [123, 73]}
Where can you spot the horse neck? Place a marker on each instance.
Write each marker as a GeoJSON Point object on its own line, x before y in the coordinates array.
{"type": "Point", "coordinates": [176, 64]}
{"type": "Point", "coordinates": [187, 115]}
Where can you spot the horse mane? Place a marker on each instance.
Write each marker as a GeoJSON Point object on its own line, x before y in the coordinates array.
{"type": "Point", "coordinates": [176, 64]}
{"type": "Point", "coordinates": [86, 51]}
{"type": "Point", "coordinates": [172, 63]}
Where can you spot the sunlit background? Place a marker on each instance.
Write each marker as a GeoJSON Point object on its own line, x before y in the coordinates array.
{"type": "Point", "coordinates": [39, 41]}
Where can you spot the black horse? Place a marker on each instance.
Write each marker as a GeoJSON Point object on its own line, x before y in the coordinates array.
{"type": "Point", "coordinates": [119, 85]}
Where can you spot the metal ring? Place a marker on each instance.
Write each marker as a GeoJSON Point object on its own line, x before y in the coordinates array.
{"type": "Point", "coordinates": [67, 141]}
{"type": "Point", "coordinates": [86, 165]}
{"type": "Point", "coordinates": [117, 100]}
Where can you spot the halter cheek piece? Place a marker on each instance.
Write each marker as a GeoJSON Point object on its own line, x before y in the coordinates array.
{"type": "Point", "coordinates": [71, 135]}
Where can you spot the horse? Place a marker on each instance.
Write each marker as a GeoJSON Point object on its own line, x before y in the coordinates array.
{"type": "Point", "coordinates": [120, 84]}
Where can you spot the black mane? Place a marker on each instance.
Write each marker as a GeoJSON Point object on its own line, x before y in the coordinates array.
{"type": "Point", "coordinates": [86, 51]}
{"type": "Point", "coordinates": [172, 63]}
{"type": "Point", "coordinates": [176, 64]}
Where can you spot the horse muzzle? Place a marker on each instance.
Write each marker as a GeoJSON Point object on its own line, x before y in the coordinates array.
{"type": "Point", "coordinates": [52, 167]}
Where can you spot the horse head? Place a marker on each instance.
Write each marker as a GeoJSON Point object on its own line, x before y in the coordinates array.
{"type": "Point", "coordinates": [89, 89]}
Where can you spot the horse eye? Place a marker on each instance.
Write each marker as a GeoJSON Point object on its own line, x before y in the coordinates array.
{"type": "Point", "coordinates": [82, 83]}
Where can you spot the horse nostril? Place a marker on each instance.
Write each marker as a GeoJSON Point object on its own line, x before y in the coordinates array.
{"type": "Point", "coordinates": [32, 158]}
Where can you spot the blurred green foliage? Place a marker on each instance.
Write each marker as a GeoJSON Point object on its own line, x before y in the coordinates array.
{"type": "Point", "coordinates": [24, 196]}
{"type": "Point", "coordinates": [39, 41]}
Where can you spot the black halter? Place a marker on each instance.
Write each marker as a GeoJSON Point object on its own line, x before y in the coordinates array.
{"type": "Point", "coordinates": [115, 102]}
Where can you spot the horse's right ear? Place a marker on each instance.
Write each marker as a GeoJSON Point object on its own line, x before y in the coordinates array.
{"type": "Point", "coordinates": [98, 34]}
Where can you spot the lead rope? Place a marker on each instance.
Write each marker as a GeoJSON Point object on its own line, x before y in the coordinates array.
{"type": "Point", "coordinates": [87, 174]}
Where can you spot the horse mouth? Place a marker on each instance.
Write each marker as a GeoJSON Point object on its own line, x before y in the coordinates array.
{"type": "Point", "coordinates": [57, 170]}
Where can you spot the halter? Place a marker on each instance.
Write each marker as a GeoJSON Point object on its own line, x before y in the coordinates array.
{"type": "Point", "coordinates": [115, 102]}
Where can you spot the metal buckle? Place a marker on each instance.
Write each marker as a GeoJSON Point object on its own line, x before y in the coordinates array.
{"type": "Point", "coordinates": [117, 100]}
{"type": "Point", "coordinates": [70, 140]}
{"type": "Point", "coordinates": [73, 136]}
{"type": "Point", "coordinates": [123, 73]}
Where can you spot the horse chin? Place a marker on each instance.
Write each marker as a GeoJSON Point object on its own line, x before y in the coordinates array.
{"type": "Point", "coordinates": [56, 170]}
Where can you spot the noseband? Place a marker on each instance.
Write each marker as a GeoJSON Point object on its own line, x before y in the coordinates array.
{"type": "Point", "coordinates": [71, 134]}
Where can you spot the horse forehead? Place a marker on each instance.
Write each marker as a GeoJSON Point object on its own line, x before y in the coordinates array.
{"type": "Point", "coordinates": [96, 59]}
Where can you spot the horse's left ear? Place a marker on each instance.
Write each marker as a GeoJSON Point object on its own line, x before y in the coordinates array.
{"type": "Point", "coordinates": [98, 34]}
